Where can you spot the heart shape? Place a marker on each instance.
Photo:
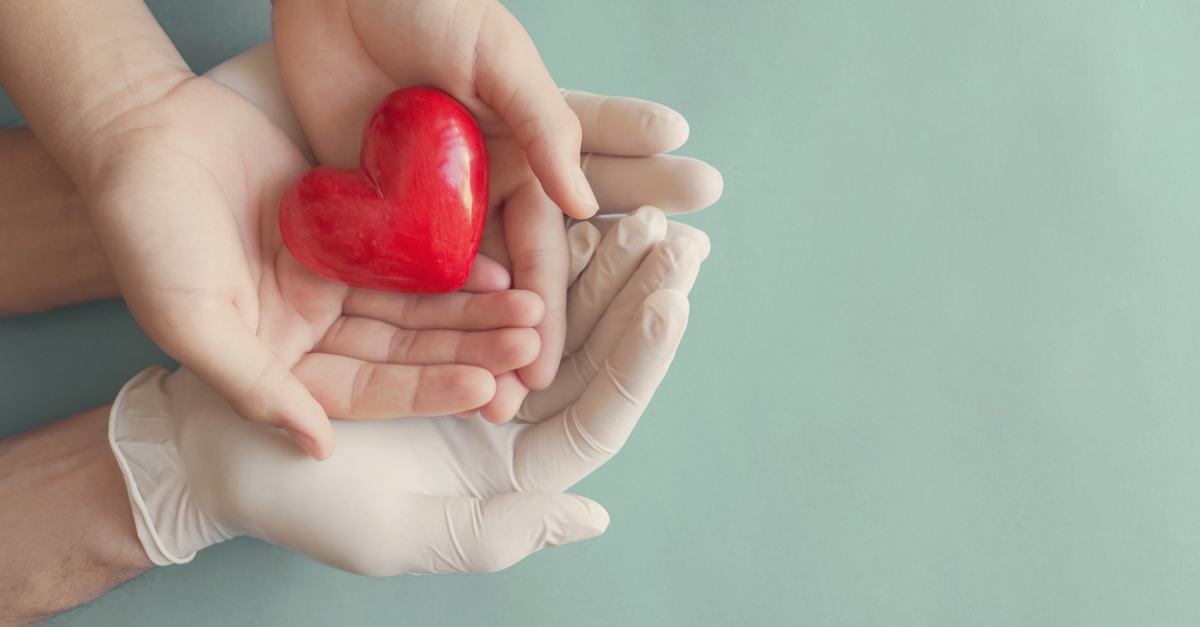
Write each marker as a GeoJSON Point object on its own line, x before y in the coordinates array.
{"type": "Point", "coordinates": [411, 217]}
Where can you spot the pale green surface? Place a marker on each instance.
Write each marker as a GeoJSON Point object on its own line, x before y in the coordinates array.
{"type": "Point", "coordinates": [942, 366]}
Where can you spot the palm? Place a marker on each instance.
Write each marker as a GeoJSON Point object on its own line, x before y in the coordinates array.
{"type": "Point", "coordinates": [220, 167]}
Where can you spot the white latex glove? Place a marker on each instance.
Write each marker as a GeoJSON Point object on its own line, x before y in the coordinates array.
{"type": "Point", "coordinates": [420, 495]}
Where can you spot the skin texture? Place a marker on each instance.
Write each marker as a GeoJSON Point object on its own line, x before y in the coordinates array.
{"type": "Point", "coordinates": [72, 537]}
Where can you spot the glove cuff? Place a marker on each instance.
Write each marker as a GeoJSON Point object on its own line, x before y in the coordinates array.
{"type": "Point", "coordinates": [142, 434]}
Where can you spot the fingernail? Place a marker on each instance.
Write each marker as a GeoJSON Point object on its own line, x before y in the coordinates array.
{"type": "Point", "coordinates": [584, 189]}
{"type": "Point", "coordinates": [308, 444]}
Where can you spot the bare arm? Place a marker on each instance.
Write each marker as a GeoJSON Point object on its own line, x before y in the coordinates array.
{"type": "Point", "coordinates": [74, 68]}
{"type": "Point", "coordinates": [49, 254]}
{"type": "Point", "coordinates": [69, 533]}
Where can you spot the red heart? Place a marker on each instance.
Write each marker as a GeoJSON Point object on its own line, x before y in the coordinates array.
{"type": "Point", "coordinates": [411, 217]}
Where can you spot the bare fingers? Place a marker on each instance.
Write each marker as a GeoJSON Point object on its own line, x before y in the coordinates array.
{"type": "Point", "coordinates": [360, 390]}
{"type": "Point", "coordinates": [458, 311]}
{"type": "Point", "coordinates": [495, 350]}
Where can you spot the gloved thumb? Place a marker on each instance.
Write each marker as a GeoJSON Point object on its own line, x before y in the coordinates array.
{"type": "Point", "coordinates": [494, 533]}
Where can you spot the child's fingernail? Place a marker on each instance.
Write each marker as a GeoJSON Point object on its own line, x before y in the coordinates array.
{"type": "Point", "coordinates": [584, 189]}
{"type": "Point", "coordinates": [306, 443]}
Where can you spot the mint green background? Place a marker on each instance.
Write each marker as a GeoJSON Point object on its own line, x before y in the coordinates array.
{"type": "Point", "coordinates": [942, 366]}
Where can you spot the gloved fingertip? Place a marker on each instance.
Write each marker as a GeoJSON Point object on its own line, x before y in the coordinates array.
{"type": "Point", "coordinates": [651, 220]}
{"type": "Point", "coordinates": [702, 240]}
{"type": "Point", "coordinates": [668, 313]}
{"type": "Point", "coordinates": [706, 185]}
{"type": "Point", "coordinates": [582, 240]}
{"type": "Point", "coordinates": [698, 237]}
{"type": "Point", "coordinates": [669, 128]}
{"type": "Point", "coordinates": [683, 248]}
{"type": "Point", "coordinates": [583, 519]}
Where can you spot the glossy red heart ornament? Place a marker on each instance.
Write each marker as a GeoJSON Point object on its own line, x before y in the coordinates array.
{"type": "Point", "coordinates": [411, 217]}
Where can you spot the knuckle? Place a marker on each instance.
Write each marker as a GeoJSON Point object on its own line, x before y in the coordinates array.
{"type": "Point", "coordinates": [401, 345]}
{"type": "Point", "coordinates": [359, 401]}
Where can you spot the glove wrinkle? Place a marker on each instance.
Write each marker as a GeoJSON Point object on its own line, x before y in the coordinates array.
{"type": "Point", "coordinates": [142, 437]}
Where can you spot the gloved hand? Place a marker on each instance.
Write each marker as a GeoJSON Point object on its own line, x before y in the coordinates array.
{"type": "Point", "coordinates": [422, 495]}
{"type": "Point", "coordinates": [622, 156]}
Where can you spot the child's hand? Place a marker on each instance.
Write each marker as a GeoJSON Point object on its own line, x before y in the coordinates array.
{"type": "Point", "coordinates": [188, 212]}
{"type": "Point", "coordinates": [339, 58]}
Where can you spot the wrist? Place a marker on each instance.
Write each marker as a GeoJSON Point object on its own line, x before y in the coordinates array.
{"type": "Point", "coordinates": [107, 134]}
{"type": "Point", "coordinates": [70, 536]}
{"type": "Point", "coordinates": [143, 431]}
{"type": "Point", "coordinates": [73, 69]}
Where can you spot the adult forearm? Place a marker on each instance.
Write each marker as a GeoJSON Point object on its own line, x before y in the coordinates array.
{"type": "Point", "coordinates": [68, 530]}
{"type": "Point", "coordinates": [73, 68]}
{"type": "Point", "coordinates": [49, 254]}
